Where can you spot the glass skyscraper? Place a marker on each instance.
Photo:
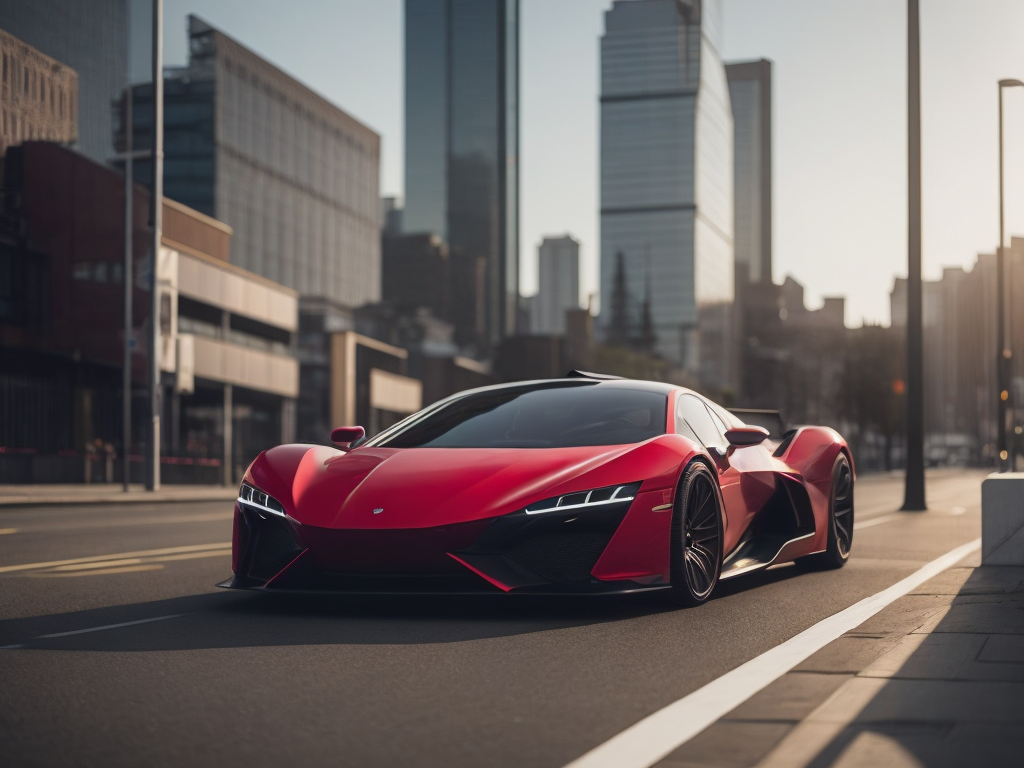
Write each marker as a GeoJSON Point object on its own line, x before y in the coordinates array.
{"type": "Point", "coordinates": [462, 153]}
{"type": "Point", "coordinates": [750, 87]}
{"type": "Point", "coordinates": [667, 179]}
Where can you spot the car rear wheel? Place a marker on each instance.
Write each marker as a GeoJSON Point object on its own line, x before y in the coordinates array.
{"type": "Point", "coordinates": [696, 536]}
{"type": "Point", "coordinates": [840, 520]}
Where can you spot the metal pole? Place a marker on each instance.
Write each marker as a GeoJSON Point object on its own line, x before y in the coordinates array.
{"type": "Point", "coordinates": [156, 214]}
{"type": "Point", "coordinates": [913, 499]}
{"type": "Point", "coordinates": [1003, 393]}
{"type": "Point", "coordinates": [1004, 357]}
{"type": "Point", "coordinates": [126, 374]}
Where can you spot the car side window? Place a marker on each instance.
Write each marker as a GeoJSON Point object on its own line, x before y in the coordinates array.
{"type": "Point", "coordinates": [693, 416]}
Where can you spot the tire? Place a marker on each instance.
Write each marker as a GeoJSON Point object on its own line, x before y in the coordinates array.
{"type": "Point", "coordinates": [696, 537]}
{"type": "Point", "coordinates": [840, 521]}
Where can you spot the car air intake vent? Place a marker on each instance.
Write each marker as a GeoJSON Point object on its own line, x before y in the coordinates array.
{"type": "Point", "coordinates": [561, 556]}
{"type": "Point", "coordinates": [269, 545]}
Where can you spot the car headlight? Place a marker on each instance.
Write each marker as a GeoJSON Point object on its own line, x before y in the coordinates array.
{"type": "Point", "coordinates": [599, 497]}
{"type": "Point", "coordinates": [254, 497]}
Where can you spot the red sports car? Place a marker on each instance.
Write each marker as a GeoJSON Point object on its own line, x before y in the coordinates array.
{"type": "Point", "coordinates": [584, 484]}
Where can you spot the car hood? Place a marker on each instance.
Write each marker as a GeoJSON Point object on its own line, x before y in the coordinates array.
{"type": "Point", "coordinates": [377, 488]}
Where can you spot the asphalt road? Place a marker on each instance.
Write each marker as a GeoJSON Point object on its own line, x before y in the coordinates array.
{"type": "Point", "coordinates": [202, 677]}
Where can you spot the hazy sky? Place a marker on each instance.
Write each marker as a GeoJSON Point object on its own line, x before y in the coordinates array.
{"type": "Point", "coordinates": [839, 123]}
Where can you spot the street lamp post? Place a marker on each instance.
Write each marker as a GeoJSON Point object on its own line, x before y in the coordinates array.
{"type": "Point", "coordinates": [914, 495]}
{"type": "Point", "coordinates": [1004, 357]}
{"type": "Point", "coordinates": [156, 214]}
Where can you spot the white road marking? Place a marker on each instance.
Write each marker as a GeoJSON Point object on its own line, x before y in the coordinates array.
{"type": "Point", "coordinates": [648, 741]}
{"type": "Point", "coordinates": [111, 626]}
{"type": "Point", "coordinates": [879, 520]}
{"type": "Point", "coordinates": [119, 556]}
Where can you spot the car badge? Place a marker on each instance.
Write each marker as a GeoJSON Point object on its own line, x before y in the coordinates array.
{"type": "Point", "coordinates": [378, 510]}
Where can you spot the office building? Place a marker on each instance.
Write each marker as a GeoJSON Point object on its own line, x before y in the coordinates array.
{"type": "Point", "coordinates": [38, 96]}
{"type": "Point", "coordinates": [558, 283]}
{"type": "Point", "coordinates": [229, 374]}
{"type": "Point", "coordinates": [750, 90]}
{"type": "Point", "coordinates": [294, 176]}
{"type": "Point", "coordinates": [462, 153]}
{"type": "Point", "coordinates": [417, 273]}
{"type": "Point", "coordinates": [92, 39]}
{"type": "Point", "coordinates": [391, 216]}
{"type": "Point", "coordinates": [667, 180]}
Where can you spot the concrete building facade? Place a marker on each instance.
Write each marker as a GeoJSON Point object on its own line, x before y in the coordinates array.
{"type": "Point", "coordinates": [229, 373]}
{"type": "Point", "coordinates": [38, 96]}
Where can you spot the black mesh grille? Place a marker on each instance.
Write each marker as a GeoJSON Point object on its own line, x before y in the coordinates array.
{"type": "Point", "coordinates": [561, 556]}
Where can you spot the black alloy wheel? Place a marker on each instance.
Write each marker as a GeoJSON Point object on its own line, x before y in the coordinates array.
{"type": "Point", "coordinates": [840, 520]}
{"type": "Point", "coordinates": [696, 536]}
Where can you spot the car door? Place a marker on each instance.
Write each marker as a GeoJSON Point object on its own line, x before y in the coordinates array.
{"type": "Point", "coordinates": [694, 419]}
{"type": "Point", "coordinates": [757, 479]}
{"type": "Point", "coordinates": [744, 473]}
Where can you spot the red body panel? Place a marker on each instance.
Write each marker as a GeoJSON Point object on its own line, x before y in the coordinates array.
{"type": "Point", "coordinates": [427, 487]}
{"type": "Point", "coordinates": [414, 510]}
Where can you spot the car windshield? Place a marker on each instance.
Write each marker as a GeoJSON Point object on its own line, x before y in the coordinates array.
{"type": "Point", "coordinates": [557, 416]}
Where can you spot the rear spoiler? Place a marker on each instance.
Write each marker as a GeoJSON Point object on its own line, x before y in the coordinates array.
{"type": "Point", "coordinates": [759, 417]}
{"type": "Point", "coordinates": [589, 375]}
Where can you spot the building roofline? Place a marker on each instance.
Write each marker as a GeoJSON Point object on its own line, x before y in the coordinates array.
{"type": "Point", "coordinates": [207, 27]}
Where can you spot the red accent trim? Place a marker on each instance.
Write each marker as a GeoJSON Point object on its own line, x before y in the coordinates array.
{"type": "Point", "coordinates": [286, 568]}
{"type": "Point", "coordinates": [478, 572]}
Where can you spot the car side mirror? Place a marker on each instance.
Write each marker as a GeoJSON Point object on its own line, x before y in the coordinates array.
{"type": "Point", "coordinates": [741, 436]}
{"type": "Point", "coordinates": [343, 437]}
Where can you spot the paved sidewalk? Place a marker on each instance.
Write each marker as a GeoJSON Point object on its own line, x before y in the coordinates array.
{"type": "Point", "coordinates": [108, 493]}
{"type": "Point", "coordinates": [935, 679]}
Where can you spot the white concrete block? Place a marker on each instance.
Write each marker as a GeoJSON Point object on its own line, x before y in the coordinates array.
{"type": "Point", "coordinates": [1002, 519]}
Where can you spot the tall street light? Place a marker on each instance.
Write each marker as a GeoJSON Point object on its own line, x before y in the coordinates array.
{"type": "Point", "coordinates": [913, 499]}
{"type": "Point", "coordinates": [1004, 357]}
{"type": "Point", "coordinates": [156, 214]}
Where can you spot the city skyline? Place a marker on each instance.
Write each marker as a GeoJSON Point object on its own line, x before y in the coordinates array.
{"type": "Point", "coordinates": [828, 92]}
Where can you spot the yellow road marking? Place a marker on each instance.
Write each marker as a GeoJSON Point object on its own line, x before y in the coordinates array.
{"type": "Point", "coordinates": [193, 556]}
{"type": "Point", "coordinates": [6, 531]}
{"type": "Point", "coordinates": [128, 565]}
{"type": "Point", "coordinates": [98, 572]}
{"type": "Point", "coordinates": [119, 556]}
{"type": "Point", "coordinates": [127, 522]}
{"type": "Point", "coordinates": [104, 564]}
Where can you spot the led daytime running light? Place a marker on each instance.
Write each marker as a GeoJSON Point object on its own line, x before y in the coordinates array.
{"type": "Point", "coordinates": [254, 497]}
{"type": "Point", "coordinates": [598, 497]}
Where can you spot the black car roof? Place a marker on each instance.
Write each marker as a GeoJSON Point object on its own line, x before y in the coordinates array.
{"type": "Point", "coordinates": [633, 384]}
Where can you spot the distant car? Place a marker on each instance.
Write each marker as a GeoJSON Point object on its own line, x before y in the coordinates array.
{"type": "Point", "coordinates": [587, 484]}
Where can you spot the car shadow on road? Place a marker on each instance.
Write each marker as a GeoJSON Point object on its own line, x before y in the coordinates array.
{"type": "Point", "coordinates": [225, 619]}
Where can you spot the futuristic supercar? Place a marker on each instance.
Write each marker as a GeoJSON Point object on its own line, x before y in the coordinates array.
{"type": "Point", "coordinates": [588, 484]}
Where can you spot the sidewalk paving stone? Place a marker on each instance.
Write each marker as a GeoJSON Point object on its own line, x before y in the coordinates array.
{"type": "Point", "coordinates": [934, 679]}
